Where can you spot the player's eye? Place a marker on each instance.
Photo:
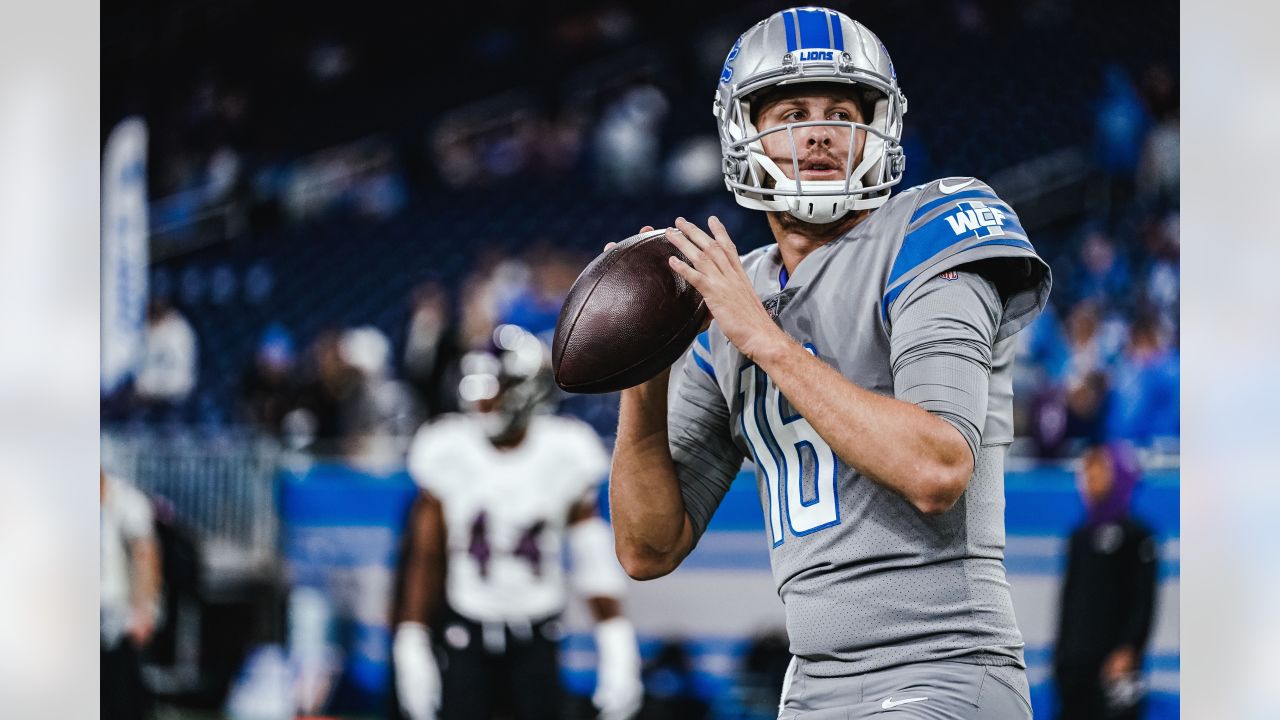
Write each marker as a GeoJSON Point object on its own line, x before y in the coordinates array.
{"type": "Point", "coordinates": [842, 116]}
{"type": "Point", "coordinates": [794, 115]}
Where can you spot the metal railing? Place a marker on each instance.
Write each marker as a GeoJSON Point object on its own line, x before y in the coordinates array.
{"type": "Point", "coordinates": [221, 489]}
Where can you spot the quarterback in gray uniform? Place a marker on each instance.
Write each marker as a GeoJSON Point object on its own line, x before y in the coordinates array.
{"type": "Point", "coordinates": [863, 364]}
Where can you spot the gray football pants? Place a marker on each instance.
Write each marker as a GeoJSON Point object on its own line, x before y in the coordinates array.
{"type": "Point", "coordinates": [944, 690]}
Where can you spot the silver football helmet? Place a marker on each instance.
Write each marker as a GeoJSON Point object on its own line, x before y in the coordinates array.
{"type": "Point", "coordinates": [507, 385]}
{"type": "Point", "coordinates": [810, 45]}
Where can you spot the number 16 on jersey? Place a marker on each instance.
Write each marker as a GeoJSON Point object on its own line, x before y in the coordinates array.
{"type": "Point", "coordinates": [779, 444]}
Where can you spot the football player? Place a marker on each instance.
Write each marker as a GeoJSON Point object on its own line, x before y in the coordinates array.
{"type": "Point", "coordinates": [502, 488]}
{"type": "Point", "coordinates": [863, 363]}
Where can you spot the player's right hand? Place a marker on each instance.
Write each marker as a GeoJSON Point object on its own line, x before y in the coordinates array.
{"type": "Point", "coordinates": [417, 675]}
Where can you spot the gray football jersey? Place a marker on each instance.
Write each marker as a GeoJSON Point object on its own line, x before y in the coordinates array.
{"type": "Point", "coordinates": [868, 581]}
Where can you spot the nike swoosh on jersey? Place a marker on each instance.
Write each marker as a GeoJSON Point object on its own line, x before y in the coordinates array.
{"type": "Point", "coordinates": [948, 189]}
{"type": "Point", "coordinates": [889, 702]}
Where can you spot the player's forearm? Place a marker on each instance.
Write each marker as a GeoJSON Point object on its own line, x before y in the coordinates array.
{"type": "Point", "coordinates": [604, 608]}
{"type": "Point", "coordinates": [423, 585]}
{"type": "Point", "coordinates": [650, 529]}
{"type": "Point", "coordinates": [146, 574]}
{"type": "Point", "coordinates": [895, 443]}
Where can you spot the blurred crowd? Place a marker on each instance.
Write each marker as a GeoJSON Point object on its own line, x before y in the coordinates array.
{"type": "Point", "coordinates": [350, 391]}
{"type": "Point", "coordinates": [1103, 364]}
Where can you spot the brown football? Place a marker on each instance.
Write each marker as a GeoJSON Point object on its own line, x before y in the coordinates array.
{"type": "Point", "coordinates": [627, 317]}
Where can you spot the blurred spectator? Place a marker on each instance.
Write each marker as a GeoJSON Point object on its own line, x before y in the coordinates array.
{"type": "Point", "coordinates": [351, 405]}
{"type": "Point", "coordinates": [1087, 353]}
{"type": "Point", "coordinates": [326, 399]}
{"type": "Point", "coordinates": [1108, 594]}
{"type": "Point", "coordinates": [431, 351]}
{"type": "Point", "coordinates": [181, 575]}
{"type": "Point", "coordinates": [1087, 402]}
{"type": "Point", "coordinates": [627, 139]}
{"type": "Point", "coordinates": [1121, 122]}
{"type": "Point", "coordinates": [1103, 274]}
{"type": "Point", "coordinates": [1040, 372]}
{"type": "Point", "coordinates": [1162, 281]}
{"type": "Point", "coordinates": [537, 307]}
{"type": "Point", "coordinates": [1145, 387]}
{"type": "Point", "coordinates": [168, 370]}
{"type": "Point", "coordinates": [268, 388]}
{"type": "Point", "coordinates": [129, 595]}
{"type": "Point", "coordinates": [695, 166]}
{"type": "Point", "coordinates": [1042, 352]}
{"type": "Point", "coordinates": [384, 406]}
{"type": "Point", "coordinates": [1086, 380]}
{"type": "Point", "coordinates": [1158, 168]}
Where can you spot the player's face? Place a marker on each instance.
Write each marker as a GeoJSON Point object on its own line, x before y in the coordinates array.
{"type": "Point", "coordinates": [822, 150]}
{"type": "Point", "coordinates": [1097, 473]}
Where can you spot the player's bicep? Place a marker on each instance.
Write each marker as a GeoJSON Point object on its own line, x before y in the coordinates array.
{"type": "Point", "coordinates": [941, 350]}
{"type": "Point", "coordinates": [702, 449]}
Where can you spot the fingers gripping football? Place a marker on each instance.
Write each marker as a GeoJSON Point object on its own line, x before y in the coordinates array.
{"type": "Point", "coordinates": [643, 230]}
{"type": "Point", "coordinates": [715, 269]}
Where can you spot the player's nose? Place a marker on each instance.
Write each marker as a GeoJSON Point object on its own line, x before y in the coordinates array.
{"type": "Point", "coordinates": [817, 135]}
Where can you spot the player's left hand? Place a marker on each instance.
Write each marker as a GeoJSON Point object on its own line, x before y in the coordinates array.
{"type": "Point", "coordinates": [715, 269]}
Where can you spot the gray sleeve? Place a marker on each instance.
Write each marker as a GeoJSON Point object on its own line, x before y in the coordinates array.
{"type": "Point", "coordinates": [706, 458]}
{"type": "Point", "coordinates": [941, 347]}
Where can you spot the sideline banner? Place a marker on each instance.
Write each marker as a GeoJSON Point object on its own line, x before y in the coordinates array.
{"type": "Point", "coordinates": [124, 251]}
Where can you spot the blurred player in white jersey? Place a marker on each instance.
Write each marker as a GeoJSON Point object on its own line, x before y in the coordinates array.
{"type": "Point", "coordinates": [503, 488]}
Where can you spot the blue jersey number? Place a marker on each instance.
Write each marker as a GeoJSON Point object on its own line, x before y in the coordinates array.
{"type": "Point", "coordinates": [779, 445]}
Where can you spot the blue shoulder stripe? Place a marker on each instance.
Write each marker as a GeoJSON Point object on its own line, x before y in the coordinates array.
{"type": "Point", "coordinates": [939, 202]}
{"type": "Point", "coordinates": [706, 367]}
{"type": "Point", "coordinates": [702, 354]}
{"type": "Point", "coordinates": [895, 292]}
{"type": "Point", "coordinates": [939, 233]}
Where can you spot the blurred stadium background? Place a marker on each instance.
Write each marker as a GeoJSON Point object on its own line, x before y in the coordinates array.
{"type": "Point", "coordinates": [335, 202]}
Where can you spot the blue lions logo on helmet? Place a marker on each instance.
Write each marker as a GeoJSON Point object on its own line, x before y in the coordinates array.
{"type": "Point", "coordinates": [727, 73]}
